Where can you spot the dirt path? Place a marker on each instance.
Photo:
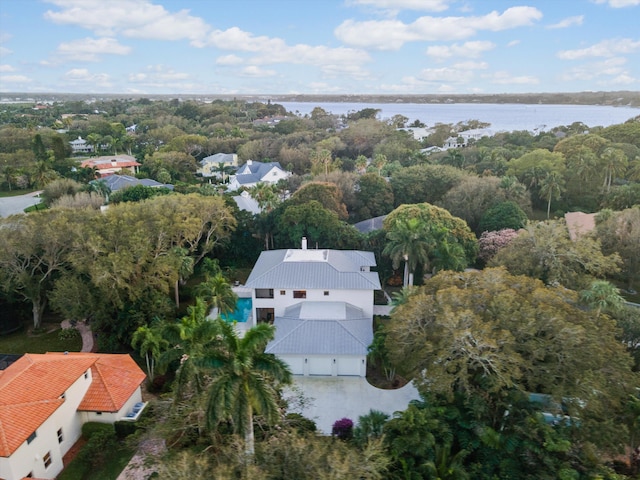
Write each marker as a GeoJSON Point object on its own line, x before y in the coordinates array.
{"type": "Point", "coordinates": [85, 333]}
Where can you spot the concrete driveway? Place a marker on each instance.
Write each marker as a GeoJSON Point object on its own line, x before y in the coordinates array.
{"type": "Point", "coordinates": [12, 205]}
{"type": "Point", "coordinates": [327, 399]}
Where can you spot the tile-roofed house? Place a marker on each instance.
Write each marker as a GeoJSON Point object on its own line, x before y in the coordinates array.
{"type": "Point", "coordinates": [110, 164]}
{"type": "Point", "coordinates": [46, 398]}
{"type": "Point", "coordinates": [321, 303]}
{"type": "Point", "coordinates": [118, 182]}
{"type": "Point", "coordinates": [252, 173]}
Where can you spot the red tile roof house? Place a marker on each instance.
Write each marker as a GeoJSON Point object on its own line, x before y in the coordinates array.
{"type": "Point", "coordinates": [46, 398]}
{"type": "Point", "coordinates": [108, 165]}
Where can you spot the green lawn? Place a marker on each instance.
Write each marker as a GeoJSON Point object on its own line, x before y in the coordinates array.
{"type": "Point", "coordinates": [118, 459]}
{"type": "Point", "coordinates": [16, 192]}
{"type": "Point", "coordinates": [22, 342]}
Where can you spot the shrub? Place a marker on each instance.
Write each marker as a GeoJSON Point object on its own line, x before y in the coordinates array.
{"type": "Point", "coordinates": [343, 429]}
{"type": "Point", "coordinates": [101, 444]}
{"type": "Point", "coordinates": [68, 334]}
{"type": "Point", "coordinates": [89, 429]}
{"type": "Point", "coordinates": [124, 428]}
{"type": "Point", "coordinates": [300, 423]}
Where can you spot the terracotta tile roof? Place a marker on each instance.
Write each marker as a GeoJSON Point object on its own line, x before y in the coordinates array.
{"type": "Point", "coordinates": [29, 393]}
{"type": "Point", "coordinates": [115, 379]}
{"type": "Point", "coordinates": [30, 389]}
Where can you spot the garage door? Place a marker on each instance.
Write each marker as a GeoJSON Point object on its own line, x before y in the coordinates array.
{"type": "Point", "coordinates": [296, 364]}
{"type": "Point", "coordinates": [319, 366]}
{"type": "Point", "coordinates": [349, 366]}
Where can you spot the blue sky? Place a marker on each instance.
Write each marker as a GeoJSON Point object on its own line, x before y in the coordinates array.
{"type": "Point", "coordinates": [318, 46]}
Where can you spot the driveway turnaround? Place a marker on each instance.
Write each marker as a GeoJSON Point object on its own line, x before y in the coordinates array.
{"type": "Point", "coordinates": [17, 204]}
{"type": "Point", "coordinates": [327, 399]}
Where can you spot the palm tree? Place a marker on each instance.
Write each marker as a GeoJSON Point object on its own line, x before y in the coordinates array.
{"type": "Point", "coordinates": [447, 253]}
{"type": "Point", "coordinates": [185, 269]}
{"type": "Point", "coordinates": [101, 188]}
{"type": "Point", "coordinates": [245, 380]}
{"type": "Point", "coordinates": [551, 186]}
{"type": "Point", "coordinates": [602, 295]}
{"type": "Point", "coordinates": [408, 242]}
{"type": "Point", "coordinates": [151, 344]}
{"type": "Point", "coordinates": [265, 194]}
{"type": "Point", "coordinates": [379, 161]}
{"type": "Point", "coordinates": [447, 466]}
{"type": "Point", "coordinates": [217, 292]}
{"type": "Point", "coordinates": [615, 164]}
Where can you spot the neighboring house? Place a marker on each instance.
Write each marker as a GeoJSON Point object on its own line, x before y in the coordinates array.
{"type": "Point", "coordinates": [252, 173]}
{"type": "Point", "coordinates": [246, 202]}
{"type": "Point", "coordinates": [46, 398]}
{"type": "Point", "coordinates": [108, 165]}
{"type": "Point", "coordinates": [462, 138]}
{"type": "Point", "coordinates": [579, 223]}
{"type": "Point", "coordinates": [118, 182]}
{"type": "Point", "coordinates": [321, 303]}
{"type": "Point", "coordinates": [80, 145]}
{"type": "Point", "coordinates": [210, 166]}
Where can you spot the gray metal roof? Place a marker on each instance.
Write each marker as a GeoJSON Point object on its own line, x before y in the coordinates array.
{"type": "Point", "coordinates": [322, 328]}
{"type": "Point", "coordinates": [228, 158]}
{"type": "Point", "coordinates": [118, 182]}
{"type": "Point", "coordinates": [314, 269]}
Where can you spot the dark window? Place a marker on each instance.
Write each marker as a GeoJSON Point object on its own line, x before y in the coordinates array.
{"type": "Point", "coordinates": [46, 459]}
{"type": "Point", "coordinates": [326, 293]}
{"type": "Point", "coordinates": [299, 294]}
{"type": "Point", "coordinates": [283, 292]}
{"type": "Point", "coordinates": [32, 437]}
{"type": "Point", "coordinates": [264, 292]}
{"type": "Point", "coordinates": [60, 436]}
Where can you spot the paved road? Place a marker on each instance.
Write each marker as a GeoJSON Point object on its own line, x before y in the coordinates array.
{"type": "Point", "coordinates": [17, 204]}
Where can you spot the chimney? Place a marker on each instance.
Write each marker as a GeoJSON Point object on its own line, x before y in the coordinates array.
{"type": "Point", "coordinates": [304, 243]}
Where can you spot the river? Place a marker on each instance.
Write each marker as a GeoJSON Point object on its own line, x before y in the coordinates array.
{"type": "Point", "coordinates": [502, 117]}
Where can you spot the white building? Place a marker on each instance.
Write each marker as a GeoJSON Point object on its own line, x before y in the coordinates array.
{"type": "Point", "coordinates": [321, 303]}
{"type": "Point", "coordinates": [46, 398]}
{"type": "Point", "coordinates": [252, 173]}
{"type": "Point", "coordinates": [80, 145]}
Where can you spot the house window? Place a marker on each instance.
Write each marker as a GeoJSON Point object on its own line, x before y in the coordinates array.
{"type": "Point", "coordinates": [299, 294]}
{"type": "Point", "coordinates": [60, 436]}
{"type": "Point", "coordinates": [32, 437]}
{"type": "Point", "coordinates": [264, 292]}
{"type": "Point", "coordinates": [283, 292]}
{"type": "Point", "coordinates": [98, 413]}
{"type": "Point", "coordinates": [46, 459]}
{"type": "Point", "coordinates": [63, 396]}
{"type": "Point", "coordinates": [86, 374]}
{"type": "Point", "coordinates": [326, 293]}
{"type": "Point", "coordinates": [29, 475]}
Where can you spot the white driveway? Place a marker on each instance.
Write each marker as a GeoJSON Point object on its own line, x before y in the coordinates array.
{"type": "Point", "coordinates": [327, 399]}
{"type": "Point", "coordinates": [17, 204]}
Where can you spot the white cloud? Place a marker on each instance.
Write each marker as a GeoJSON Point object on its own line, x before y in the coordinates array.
{"type": "Point", "coordinates": [83, 76]}
{"type": "Point", "coordinates": [229, 60]}
{"type": "Point", "coordinates": [606, 48]}
{"type": "Point", "coordinates": [136, 19]}
{"type": "Point", "coordinates": [157, 74]}
{"type": "Point", "coordinates": [270, 51]}
{"type": "Point", "coordinates": [7, 68]}
{"type": "Point", "coordinates": [568, 22]}
{"type": "Point", "coordinates": [7, 79]}
{"type": "Point", "coordinates": [513, 43]}
{"type": "Point", "coordinates": [505, 78]}
{"type": "Point", "coordinates": [89, 49]}
{"type": "Point", "coordinates": [4, 51]}
{"type": "Point", "coordinates": [392, 34]}
{"type": "Point", "coordinates": [425, 5]}
{"type": "Point", "coordinates": [467, 50]}
{"type": "Point", "coordinates": [609, 67]}
{"type": "Point", "coordinates": [623, 79]}
{"type": "Point", "coordinates": [255, 71]}
{"type": "Point", "coordinates": [447, 74]}
{"type": "Point", "coordinates": [620, 3]}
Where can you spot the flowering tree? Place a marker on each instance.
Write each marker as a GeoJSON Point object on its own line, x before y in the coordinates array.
{"type": "Point", "coordinates": [490, 243]}
{"type": "Point", "coordinates": [343, 428]}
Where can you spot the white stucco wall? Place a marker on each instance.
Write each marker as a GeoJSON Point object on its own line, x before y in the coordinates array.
{"type": "Point", "coordinates": [111, 417]}
{"type": "Point", "coordinates": [29, 456]}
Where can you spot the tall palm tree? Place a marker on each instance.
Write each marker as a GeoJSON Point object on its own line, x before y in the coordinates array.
{"type": "Point", "coordinates": [149, 341]}
{"type": "Point", "coordinates": [551, 187]}
{"type": "Point", "coordinates": [217, 292]}
{"type": "Point", "coordinates": [245, 380]}
{"type": "Point", "coordinates": [447, 253]}
{"type": "Point", "coordinates": [185, 269]}
{"type": "Point", "coordinates": [614, 163]}
{"type": "Point", "coordinates": [408, 242]}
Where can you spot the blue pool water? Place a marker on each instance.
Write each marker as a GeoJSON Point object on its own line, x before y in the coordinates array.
{"type": "Point", "coordinates": [241, 312]}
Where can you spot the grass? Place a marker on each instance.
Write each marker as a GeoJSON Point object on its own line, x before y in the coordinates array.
{"type": "Point", "coordinates": [24, 342]}
{"type": "Point", "coordinates": [16, 193]}
{"type": "Point", "coordinates": [118, 459]}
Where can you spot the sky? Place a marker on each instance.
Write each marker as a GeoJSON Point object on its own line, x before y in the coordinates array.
{"type": "Point", "coordinates": [319, 46]}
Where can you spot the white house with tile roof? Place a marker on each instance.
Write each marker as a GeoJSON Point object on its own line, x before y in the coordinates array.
{"type": "Point", "coordinates": [252, 173]}
{"type": "Point", "coordinates": [46, 398]}
{"type": "Point", "coordinates": [321, 303]}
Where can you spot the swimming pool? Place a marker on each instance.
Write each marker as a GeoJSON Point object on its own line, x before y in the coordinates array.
{"type": "Point", "coordinates": [241, 313]}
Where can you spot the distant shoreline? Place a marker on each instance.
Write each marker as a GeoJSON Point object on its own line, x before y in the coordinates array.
{"type": "Point", "coordinates": [614, 98]}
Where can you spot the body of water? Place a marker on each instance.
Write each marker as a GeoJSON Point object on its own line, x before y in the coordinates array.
{"type": "Point", "coordinates": [502, 117]}
{"type": "Point", "coordinates": [242, 311]}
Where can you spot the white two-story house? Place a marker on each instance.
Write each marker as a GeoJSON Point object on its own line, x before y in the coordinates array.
{"type": "Point", "coordinates": [321, 303]}
{"type": "Point", "coordinates": [46, 398]}
{"type": "Point", "coordinates": [252, 173]}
